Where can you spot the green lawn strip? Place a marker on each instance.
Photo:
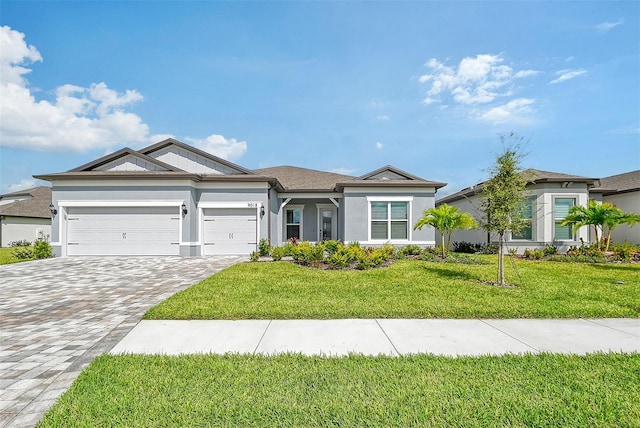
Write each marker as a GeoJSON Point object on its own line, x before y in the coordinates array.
{"type": "Point", "coordinates": [409, 289]}
{"type": "Point", "coordinates": [293, 390]}
{"type": "Point", "coordinates": [6, 256]}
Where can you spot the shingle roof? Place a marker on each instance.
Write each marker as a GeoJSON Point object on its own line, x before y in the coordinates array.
{"type": "Point", "coordinates": [293, 178]}
{"type": "Point", "coordinates": [298, 179]}
{"type": "Point", "coordinates": [35, 204]}
{"type": "Point", "coordinates": [531, 175]}
{"type": "Point", "coordinates": [620, 183]}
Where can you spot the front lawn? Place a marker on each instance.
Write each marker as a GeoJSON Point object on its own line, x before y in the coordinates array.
{"type": "Point", "coordinates": [298, 391]}
{"type": "Point", "coordinates": [6, 256]}
{"type": "Point", "coordinates": [410, 289]}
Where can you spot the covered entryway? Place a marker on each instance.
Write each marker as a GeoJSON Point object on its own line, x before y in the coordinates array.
{"type": "Point", "coordinates": [111, 231]}
{"type": "Point", "coordinates": [230, 231]}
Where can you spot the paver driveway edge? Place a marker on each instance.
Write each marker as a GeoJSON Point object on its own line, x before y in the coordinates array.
{"type": "Point", "coordinates": [57, 315]}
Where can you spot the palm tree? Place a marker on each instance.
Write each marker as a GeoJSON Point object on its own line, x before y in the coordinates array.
{"type": "Point", "coordinates": [603, 217]}
{"type": "Point", "coordinates": [446, 219]}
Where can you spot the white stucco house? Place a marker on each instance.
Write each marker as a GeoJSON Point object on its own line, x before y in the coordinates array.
{"type": "Point", "coordinates": [25, 215]}
{"type": "Point", "coordinates": [173, 199]}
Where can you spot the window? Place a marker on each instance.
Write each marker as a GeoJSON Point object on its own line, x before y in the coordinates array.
{"type": "Point", "coordinates": [293, 224]}
{"type": "Point", "coordinates": [526, 233]}
{"type": "Point", "coordinates": [561, 208]}
{"type": "Point", "coordinates": [389, 220]}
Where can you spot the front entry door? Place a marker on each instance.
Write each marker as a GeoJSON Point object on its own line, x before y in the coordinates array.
{"type": "Point", "coordinates": [326, 225]}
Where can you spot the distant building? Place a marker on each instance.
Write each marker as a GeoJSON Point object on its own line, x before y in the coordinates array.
{"type": "Point", "coordinates": [25, 215]}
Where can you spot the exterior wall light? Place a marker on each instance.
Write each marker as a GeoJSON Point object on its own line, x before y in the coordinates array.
{"type": "Point", "coordinates": [262, 211]}
{"type": "Point", "coordinates": [53, 210]}
{"type": "Point", "coordinates": [184, 209]}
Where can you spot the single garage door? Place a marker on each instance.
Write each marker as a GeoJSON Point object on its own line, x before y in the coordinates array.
{"type": "Point", "coordinates": [121, 231]}
{"type": "Point", "coordinates": [229, 231]}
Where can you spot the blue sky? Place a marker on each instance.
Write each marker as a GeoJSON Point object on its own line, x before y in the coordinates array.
{"type": "Point", "coordinates": [338, 86]}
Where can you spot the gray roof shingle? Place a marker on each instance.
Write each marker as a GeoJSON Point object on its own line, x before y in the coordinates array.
{"type": "Point", "coordinates": [35, 204]}
{"type": "Point", "coordinates": [531, 175]}
{"type": "Point", "coordinates": [620, 183]}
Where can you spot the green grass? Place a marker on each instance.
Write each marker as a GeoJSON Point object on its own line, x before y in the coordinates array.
{"type": "Point", "coordinates": [409, 289]}
{"type": "Point", "coordinates": [6, 256]}
{"type": "Point", "coordinates": [597, 390]}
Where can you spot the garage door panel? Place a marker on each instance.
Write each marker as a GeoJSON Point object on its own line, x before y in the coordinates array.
{"type": "Point", "coordinates": [123, 231]}
{"type": "Point", "coordinates": [229, 231]}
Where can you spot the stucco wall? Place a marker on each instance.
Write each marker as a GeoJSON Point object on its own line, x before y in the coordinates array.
{"type": "Point", "coordinates": [629, 202]}
{"type": "Point", "coordinates": [23, 228]}
{"type": "Point", "coordinates": [185, 192]}
{"type": "Point", "coordinates": [543, 228]}
{"type": "Point", "coordinates": [356, 212]}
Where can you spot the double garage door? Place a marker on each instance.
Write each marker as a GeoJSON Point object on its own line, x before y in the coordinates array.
{"type": "Point", "coordinates": [147, 231]}
{"type": "Point", "coordinates": [150, 231]}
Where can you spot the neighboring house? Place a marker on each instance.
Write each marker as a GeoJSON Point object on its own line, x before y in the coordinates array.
{"type": "Point", "coordinates": [623, 191]}
{"type": "Point", "coordinates": [550, 196]}
{"type": "Point", "coordinates": [173, 199]}
{"type": "Point", "coordinates": [25, 215]}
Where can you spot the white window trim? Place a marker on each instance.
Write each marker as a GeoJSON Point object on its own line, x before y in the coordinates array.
{"type": "Point", "coordinates": [574, 231]}
{"type": "Point", "coordinates": [408, 200]}
{"type": "Point", "coordinates": [284, 219]}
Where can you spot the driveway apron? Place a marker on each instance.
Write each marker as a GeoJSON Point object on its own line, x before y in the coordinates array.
{"type": "Point", "coordinates": [57, 315]}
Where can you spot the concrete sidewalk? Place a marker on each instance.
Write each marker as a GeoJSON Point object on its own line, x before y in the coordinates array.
{"type": "Point", "coordinates": [451, 337]}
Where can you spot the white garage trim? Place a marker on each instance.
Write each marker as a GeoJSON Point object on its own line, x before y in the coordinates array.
{"type": "Point", "coordinates": [63, 207]}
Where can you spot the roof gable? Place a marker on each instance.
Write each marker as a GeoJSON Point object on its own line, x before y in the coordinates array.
{"type": "Point", "coordinates": [125, 159]}
{"type": "Point", "coordinates": [190, 159]}
{"type": "Point", "coordinates": [389, 173]}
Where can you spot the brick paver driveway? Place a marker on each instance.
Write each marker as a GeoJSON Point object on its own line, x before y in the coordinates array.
{"type": "Point", "coordinates": [57, 315]}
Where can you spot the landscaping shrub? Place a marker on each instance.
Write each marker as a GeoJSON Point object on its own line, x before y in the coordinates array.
{"type": "Point", "coordinates": [20, 243]}
{"type": "Point", "coordinates": [550, 250]}
{"type": "Point", "coordinates": [488, 249]}
{"type": "Point", "coordinates": [277, 253]}
{"type": "Point", "coordinates": [264, 247]}
{"type": "Point", "coordinates": [42, 249]}
{"type": "Point", "coordinates": [466, 247]}
{"type": "Point", "coordinates": [533, 254]}
{"type": "Point", "coordinates": [254, 256]}
{"type": "Point", "coordinates": [22, 253]}
{"type": "Point", "coordinates": [410, 250]}
{"type": "Point", "coordinates": [308, 254]}
{"type": "Point", "coordinates": [332, 246]}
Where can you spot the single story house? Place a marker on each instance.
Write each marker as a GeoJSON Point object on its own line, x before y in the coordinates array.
{"type": "Point", "coordinates": [25, 215]}
{"type": "Point", "coordinates": [623, 191]}
{"type": "Point", "coordinates": [173, 199]}
{"type": "Point", "coordinates": [550, 196]}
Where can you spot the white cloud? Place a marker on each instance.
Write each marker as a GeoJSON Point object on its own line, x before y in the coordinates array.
{"type": "Point", "coordinates": [605, 27]}
{"type": "Point", "coordinates": [79, 118]}
{"type": "Point", "coordinates": [25, 183]}
{"type": "Point", "coordinates": [475, 80]}
{"type": "Point", "coordinates": [343, 171]}
{"type": "Point", "coordinates": [512, 112]}
{"type": "Point", "coordinates": [564, 75]}
{"type": "Point", "coordinates": [217, 145]}
{"type": "Point", "coordinates": [379, 145]}
{"type": "Point", "coordinates": [383, 117]}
